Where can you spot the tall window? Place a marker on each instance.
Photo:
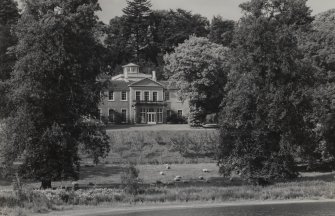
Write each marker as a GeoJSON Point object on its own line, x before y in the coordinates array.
{"type": "Point", "coordinates": [154, 96]}
{"type": "Point", "coordinates": [160, 115]}
{"type": "Point", "coordinates": [124, 95]}
{"type": "Point", "coordinates": [111, 115]}
{"type": "Point", "coordinates": [111, 95]}
{"type": "Point", "coordinates": [124, 115]}
{"type": "Point", "coordinates": [168, 113]}
{"type": "Point", "coordinates": [167, 95]}
{"type": "Point", "coordinates": [143, 114]}
{"type": "Point", "coordinates": [138, 95]}
{"type": "Point", "coordinates": [146, 96]}
{"type": "Point", "coordinates": [100, 113]}
{"type": "Point", "coordinates": [180, 113]}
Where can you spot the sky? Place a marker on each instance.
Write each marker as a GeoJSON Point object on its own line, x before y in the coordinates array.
{"type": "Point", "coordinates": [228, 9]}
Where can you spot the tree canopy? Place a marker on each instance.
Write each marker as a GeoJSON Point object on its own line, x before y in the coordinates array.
{"type": "Point", "coordinates": [54, 90]}
{"type": "Point", "coordinates": [199, 68]}
{"type": "Point", "coordinates": [267, 94]}
{"type": "Point", "coordinates": [8, 17]}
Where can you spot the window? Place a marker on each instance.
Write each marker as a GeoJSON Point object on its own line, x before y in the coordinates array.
{"type": "Point", "coordinates": [167, 95]}
{"type": "Point", "coordinates": [160, 115]}
{"type": "Point", "coordinates": [111, 115]}
{"type": "Point", "coordinates": [168, 113]}
{"type": "Point", "coordinates": [111, 95]}
{"type": "Point", "coordinates": [154, 96]}
{"type": "Point", "coordinates": [123, 95]}
{"type": "Point", "coordinates": [146, 96]}
{"type": "Point", "coordinates": [180, 113]}
{"type": "Point", "coordinates": [124, 115]}
{"type": "Point", "coordinates": [143, 114]}
{"type": "Point", "coordinates": [138, 95]}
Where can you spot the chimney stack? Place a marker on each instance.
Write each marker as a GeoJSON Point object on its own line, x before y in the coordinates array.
{"type": "Point", "coordinates": [154, 78]}
{"type": "Point", "coordinates": [125, 73]}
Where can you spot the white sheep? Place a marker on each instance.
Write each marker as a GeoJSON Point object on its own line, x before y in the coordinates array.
{"type": "Point", "coordinates": [205, 170]}
{"type": "Point", "coordinates": [162, 173]}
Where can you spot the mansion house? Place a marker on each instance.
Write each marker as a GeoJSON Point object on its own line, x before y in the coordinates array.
{"type": "Point", "coordinates": [138, 98]}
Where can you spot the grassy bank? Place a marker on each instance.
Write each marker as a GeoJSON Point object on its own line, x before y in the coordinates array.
{"type": "Point", "coordinates": [42, 201]}
{"type": "Point", "coordinates": [159, 147]}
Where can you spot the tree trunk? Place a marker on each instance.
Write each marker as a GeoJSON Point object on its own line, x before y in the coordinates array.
{"type": "Point", "coordinates": [45, 184]}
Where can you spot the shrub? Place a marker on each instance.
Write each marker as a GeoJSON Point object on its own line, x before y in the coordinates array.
{"type": "Point", "coordinates": [130, 180]}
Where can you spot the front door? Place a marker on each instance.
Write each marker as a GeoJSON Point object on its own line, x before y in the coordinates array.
{"type": "Point", "coordinates": [151, 117]}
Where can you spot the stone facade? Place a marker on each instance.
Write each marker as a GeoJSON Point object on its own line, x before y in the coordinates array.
{"type": "Point", "coordinates": [134, 97]}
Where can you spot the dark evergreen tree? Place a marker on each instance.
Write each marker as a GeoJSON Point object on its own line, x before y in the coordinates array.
{"type": "Point", "coordinates": [54, 90]}
{"type": "Point", "coordinates": [137, 15]}
{"type": "Point", "coordinates": [267, 95]}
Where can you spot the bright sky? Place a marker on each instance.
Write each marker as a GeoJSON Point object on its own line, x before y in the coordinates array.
{"type": "Point", "coordinates": [228, 9]}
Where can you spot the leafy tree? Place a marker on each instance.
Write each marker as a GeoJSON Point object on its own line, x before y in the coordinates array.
{"type": "Point", "coordinates": [199, 68]}
{"type": "Point", "coordinates": [319, 47]}
{"type": "Point", "coordinates": [221, 31]}
{"type": "Point", "coordinates": [267, 95]}
{"type": "Point", "coordinates": [54, 90]}
{"type": "Point", "coordinates": [8, 17]}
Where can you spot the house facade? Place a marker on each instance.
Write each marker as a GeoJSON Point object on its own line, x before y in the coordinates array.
{"type": "Point", "coordinates": [138, 98]}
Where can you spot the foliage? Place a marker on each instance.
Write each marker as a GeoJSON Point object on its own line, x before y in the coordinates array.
{"type": "Point", "coordinates": [318, 46]}
{"type": "Point", "coordinates": [8, 17]}
{"type": "Point", "coordinates": [130, 179]}
{"type": "Point", "coordinates": [267, 96]}
{"type": "Point", "coordinates": [160, 31]}
{"type": "Point", "coordinates": [54, 89]}
{"type": "Point", "coordinates": [199, 68]}
{"type": "Point", "coordinates": [221, 31]}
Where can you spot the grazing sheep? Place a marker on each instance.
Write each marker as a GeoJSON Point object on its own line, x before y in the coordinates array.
{"type": "Point", "coordinates": [205, 170]}
{"type": "Point", "coordinates": [162, 173]}
{"type": "Point", "coordinates": [201, 177]}
{"type": "Point", "coordinates": [167, 166]}
{"type": "Point", "coordinates": [177, 178]}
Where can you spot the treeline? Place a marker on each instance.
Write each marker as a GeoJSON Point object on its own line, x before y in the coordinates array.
{"type": "Point", "coordinates": [144, 36]}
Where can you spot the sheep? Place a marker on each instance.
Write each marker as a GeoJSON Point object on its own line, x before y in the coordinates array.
{"type": "Point", "coordinates": [205, 170]}
{"type": "Point", "coordinates": [162, 173]}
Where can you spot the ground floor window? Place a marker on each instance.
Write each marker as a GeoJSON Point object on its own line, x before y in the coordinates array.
{"type": "Point", "coordinates": [100, 114]}
{"type": "Point", "coordinates": [111, 115]}
{"type": "Point", "coordinates": [124, 115]}
{"type": "Point", "coordinates": [142, 115]}
{"type": "Point", "coordinates": [160, 115]}
{"type": "Point", "coordinates": [180, 113]}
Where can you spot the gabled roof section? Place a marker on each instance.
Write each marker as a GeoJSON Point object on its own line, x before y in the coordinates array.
{"type": "Point", "coordinates": [146, 82]}
{"type": "Point", "coordinates": [131, 65]}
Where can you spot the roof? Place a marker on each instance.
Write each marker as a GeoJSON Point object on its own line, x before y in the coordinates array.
{"type": "Point", "coordinates": [142, 80]}
{"type": "Point", "coordinates": [118, 85]}
{"type": "Point", "coordinates": [130, 65]}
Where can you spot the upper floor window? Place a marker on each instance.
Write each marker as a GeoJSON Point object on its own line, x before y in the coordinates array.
{"type": "Point", "coordinates": [146, 96]}
{"type": "Point", "coordinates": [167, 95]}
{"type": "Point", "coordinates": [123, 95]}
{"type": "Point", "coordinates": [111, 95]}
{"type": "Point", "coordinates": [154, 96]}
{"type": "Point", "coordinates": [138, 95]}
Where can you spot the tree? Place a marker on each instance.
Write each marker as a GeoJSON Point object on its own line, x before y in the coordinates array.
{"type": "Point", "coordinates": [137, 15]}
{"type": "Point", "coordinates": [199, 69]}
{"type": "Point", "coordinates": [318, 46]}
{"type": "Point", "coordinates": [54, 90]}
{"type": "Point", "coordinates": [165, 30]}
{"type": "Point", "coordinates": [221, 31]}
{"type": "Point", "coordinates": [267, 95]}
{"type": "Point", "coordinates": [8, 17]}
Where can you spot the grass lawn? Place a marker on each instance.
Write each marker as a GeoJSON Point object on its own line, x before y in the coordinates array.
{"type": "Point", "coordinates": [156, 127]}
